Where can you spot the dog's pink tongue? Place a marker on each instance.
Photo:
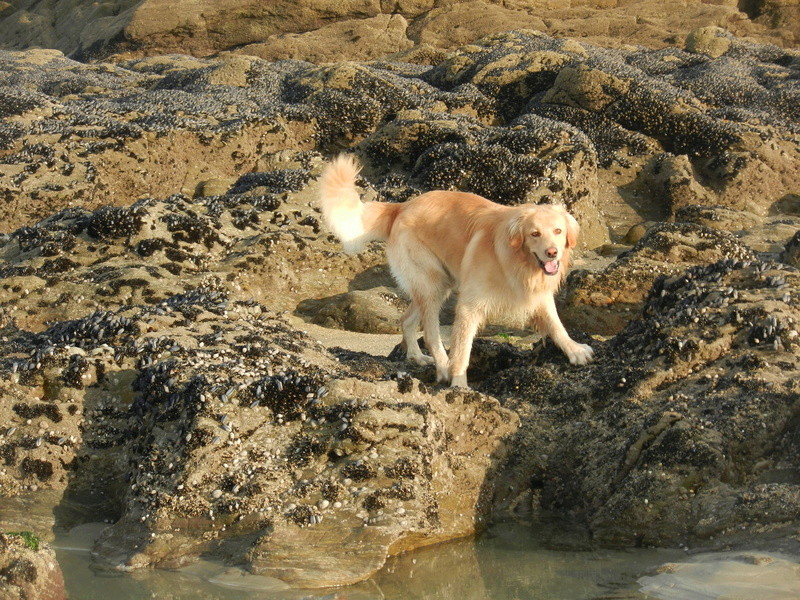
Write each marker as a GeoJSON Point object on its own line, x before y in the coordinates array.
{"type": "Point", "coordinates": [551, 267]}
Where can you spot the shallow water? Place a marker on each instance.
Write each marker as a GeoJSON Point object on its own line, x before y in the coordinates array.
{"type": "Point", "coordinates": [507, 563]}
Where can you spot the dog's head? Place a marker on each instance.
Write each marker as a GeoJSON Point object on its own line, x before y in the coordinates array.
{"type": "Point", "coordinates": [546, 233]}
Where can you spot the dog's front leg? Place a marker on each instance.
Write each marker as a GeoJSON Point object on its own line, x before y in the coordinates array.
{"type": "Point", "coordinates": [468, 319]}
{"type": "Point", "coordinates": [550, 323]}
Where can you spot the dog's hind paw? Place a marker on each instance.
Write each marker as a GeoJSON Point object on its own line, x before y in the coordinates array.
{"type": "Point", "coordinates": [421, 360]}
{"type": "Point", "coordinates": [579, 354]}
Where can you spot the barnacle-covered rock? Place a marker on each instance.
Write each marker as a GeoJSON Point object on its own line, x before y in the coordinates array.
{"type": "Point", "coordinates": [87, 31]}
{"type": "Point", "coordinates": [28, 568]}
{"type": "Point", "coordinates": [681, 431]}
{"type": "Point", "coordinates": [673, 179]}
{"type": "Point", "coordinates": [201, 424]}
{"type": "Point", "coordinates": [604, 301]}
{"type": "Point", "coordinates": [533, 160]}
{"type": "Point", "coordinates": [713, 41]}
{"type": "Point", "coordinates": [791, 253]}
{"type": "Point", "coordinates": [525, 111]}
{"type": "Point", "coordinates": [259, 238]}
{"type": "Point", "coordinates": [158, 212]}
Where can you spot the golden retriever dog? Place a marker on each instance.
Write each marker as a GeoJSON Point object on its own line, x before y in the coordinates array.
{"type": "Point", "coordinates": [498, 259]}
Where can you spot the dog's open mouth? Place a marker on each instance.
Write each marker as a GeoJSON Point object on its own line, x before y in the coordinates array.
{"type": "Point", "coordinates": [550, 267]}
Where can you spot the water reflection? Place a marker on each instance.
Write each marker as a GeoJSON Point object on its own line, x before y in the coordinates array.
{"type": "Point", "coordinates": [509, 563]}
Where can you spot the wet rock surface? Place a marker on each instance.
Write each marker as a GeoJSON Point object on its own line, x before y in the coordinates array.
{"type": "Point", "coordinates": [162, 246]}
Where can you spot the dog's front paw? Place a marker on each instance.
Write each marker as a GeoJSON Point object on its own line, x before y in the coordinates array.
{"type": "Point", "coordinates": [459, 381]}
{"type": "Point", "coordinates": [579, 354]}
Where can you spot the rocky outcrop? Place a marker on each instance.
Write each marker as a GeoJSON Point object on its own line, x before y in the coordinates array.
{"type": "Point", "coordinates": [28, 569]}
{"type": "Point", "coordinates": [218, 429]}
{"type": "Point", "coordinates": [160, 221]}
{"type": "Point", "coordinates": [603, 301]}
{"type": "Point", "coordinates": [517, 117]}
{"type": "Point", "coordinates": [363, 29]}
{"type": "Point", "coordinates": [354, 39]}
{"type": "Point", "coordinates": [684, 429]}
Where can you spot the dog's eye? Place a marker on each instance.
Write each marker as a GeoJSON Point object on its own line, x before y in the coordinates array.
{"type": "Point", "coordinates": [535, 234]}
{"type": "Point", "coordinates": [558, 232]}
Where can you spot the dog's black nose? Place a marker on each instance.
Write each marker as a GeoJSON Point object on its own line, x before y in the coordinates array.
{"type": "Point", "coordinates": [551, 252]}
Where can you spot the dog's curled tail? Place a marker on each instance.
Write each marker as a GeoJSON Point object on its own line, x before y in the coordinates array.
{"type": "Point", "coordinates": [354, 222]}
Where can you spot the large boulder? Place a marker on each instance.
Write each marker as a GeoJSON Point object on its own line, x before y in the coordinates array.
{"type": "Point", "coordinates": [682, 431]}
{"type": "Point", "coordinates": [251, 442]}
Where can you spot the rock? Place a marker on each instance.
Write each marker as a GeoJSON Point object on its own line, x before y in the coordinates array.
{"type": "Point", "coordinates": [146, 246]}
{"type": "Point", "coordinates": [713, 41]}
{"type": "Point", "coordinates": [361, 39]}
{"type": "Point", "coordinates": [718, 217]}
{"type": "Point", "coordinates": [674, 179]}
{"type": "Point", "coordinates": [377, 310]}
{"type": "Point", "coordinates": [791, 253]}
{"type": "Point", "coordinates": [652, 430]}
{"type": "Point", "coordinates": [160, 213]}
{"type": "Point", "coordinates": [28, 568]}
{"type": "Point", "coordinates": [258, 463]}
{"type": "Point", "coordinates": [781, 14]}
{"type": "Point", "coordinates": [505, 103]}
{"type": "Point", "coordinates": [501, 164]}
{"type": "Point", "coordinates": [85, 30]}
{"type": "Point", "coordinates": [603, 301]}
{"type": "Point", "coordinates": [214, 187]}
{"type": "Point", "coordinates": [637, 232]}
{"type": "Point", "coordinates": [728, 574]}
{"type": "Point", "coordinates": [201, 30]}
{"type": "Point", "coordinates": [244, 426]}
{"type": "Point", "coordinates": [464, 22]}
{"type": "Point", "coordinates": [585, 88]}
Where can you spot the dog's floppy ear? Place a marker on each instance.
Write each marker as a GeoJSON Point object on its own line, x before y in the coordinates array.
{"type": "Point", "coordinates": [516, 232]}
{"type": "Point", "coordinates": [572, 230]}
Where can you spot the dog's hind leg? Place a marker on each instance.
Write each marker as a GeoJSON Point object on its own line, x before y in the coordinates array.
{"type": "Point", "coordinates": [422, 276]}
{"type": "Point", "coordinates": [433, 335]}
{"type": "Point", "coordinates": [468, 320]}
{"type": "Point", "coordinates": [409, 323]}
{"type": "Point", "coordinates": [429, 317]}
